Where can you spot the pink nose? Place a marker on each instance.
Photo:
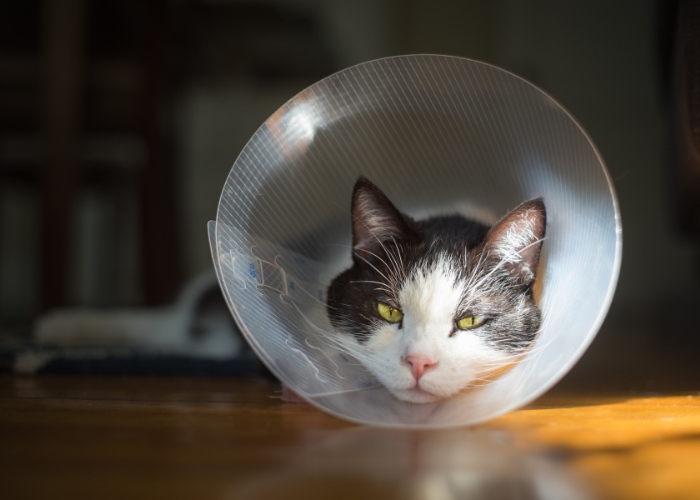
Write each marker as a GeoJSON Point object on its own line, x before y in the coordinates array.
{"type": "Point", "coordinates": [419, 364]}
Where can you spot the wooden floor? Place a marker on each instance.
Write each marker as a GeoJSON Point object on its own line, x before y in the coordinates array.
{"type": "Point", "coordinates": [103, 438]}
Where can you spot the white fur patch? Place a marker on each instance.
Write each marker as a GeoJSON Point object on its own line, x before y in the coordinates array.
{"type": "Point", "coordinates": [429, 300]}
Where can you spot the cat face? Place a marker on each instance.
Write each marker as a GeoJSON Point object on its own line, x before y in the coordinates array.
{"type": "Point", "coordinates": [431, 307]}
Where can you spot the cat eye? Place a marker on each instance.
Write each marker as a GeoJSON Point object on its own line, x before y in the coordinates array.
{"type": "Point", "coordinates": [470, 322]}
{"type": "Point", "coordinates": [391, 314]}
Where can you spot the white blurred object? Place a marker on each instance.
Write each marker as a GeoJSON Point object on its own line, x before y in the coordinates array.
{"type": "Point", "coordinates": [191, 326]}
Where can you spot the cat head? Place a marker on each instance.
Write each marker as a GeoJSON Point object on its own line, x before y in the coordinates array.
{"type": "Point", "coordinates": [431, 307]}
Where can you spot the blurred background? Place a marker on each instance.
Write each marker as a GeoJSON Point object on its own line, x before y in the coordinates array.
{"type": "Point", "coordinates": [119, 122]}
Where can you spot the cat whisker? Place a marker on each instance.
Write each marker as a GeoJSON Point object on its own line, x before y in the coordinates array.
{"type": "Point", "coordinates": [378, 239]}
{"type": "Point", "coordinates": [398, 253]}
{"type": "Point", "coordinates": [374, 267]}
{"type": "Point", "coordinates": [474, 286]}
{"type": "Point", "coordinates": [394, 271]}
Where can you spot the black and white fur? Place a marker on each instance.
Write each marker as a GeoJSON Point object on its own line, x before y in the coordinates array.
{"type": "Point", "coordinates": [437, 271]}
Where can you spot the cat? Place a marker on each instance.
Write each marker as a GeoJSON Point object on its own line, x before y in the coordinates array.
{"type": "Point", "coordinates": [431, 307]}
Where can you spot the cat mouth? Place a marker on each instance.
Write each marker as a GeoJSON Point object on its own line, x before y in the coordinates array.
{"type": "Point", "coordinates": [420, 390]}
{"type": "Point", "coordinates": [417, 394]}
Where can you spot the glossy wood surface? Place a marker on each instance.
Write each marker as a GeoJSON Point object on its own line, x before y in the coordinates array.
{"type": "Point", "coordinates": [88, 437]}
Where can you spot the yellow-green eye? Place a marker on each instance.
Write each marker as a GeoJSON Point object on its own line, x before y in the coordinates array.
{"type": "Point", "coordinates": [470, 322]}
{"type": "Point", "coordinates": [391, 314]}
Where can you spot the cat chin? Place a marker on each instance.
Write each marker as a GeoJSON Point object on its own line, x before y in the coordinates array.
{"type": "Point", "coordinates": [415, 395]}
{"type": "Point", "coordinates": [431, 391]}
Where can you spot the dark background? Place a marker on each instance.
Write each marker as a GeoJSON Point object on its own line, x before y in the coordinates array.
{"type": "Point", "coordinates": [119, 121]}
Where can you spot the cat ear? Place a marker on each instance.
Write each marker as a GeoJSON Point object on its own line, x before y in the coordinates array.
{"type": "Point", "coordinates": [515, 241]}
{"type": "Point", "coordinates": [375, 220]}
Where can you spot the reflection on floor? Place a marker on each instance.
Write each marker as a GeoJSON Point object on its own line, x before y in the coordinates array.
{"type": "Point", "coordinates": [90, 437]}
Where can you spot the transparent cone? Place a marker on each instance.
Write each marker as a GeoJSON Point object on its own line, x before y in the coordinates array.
{"type": "Point", "coordinates": [438, 134]}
